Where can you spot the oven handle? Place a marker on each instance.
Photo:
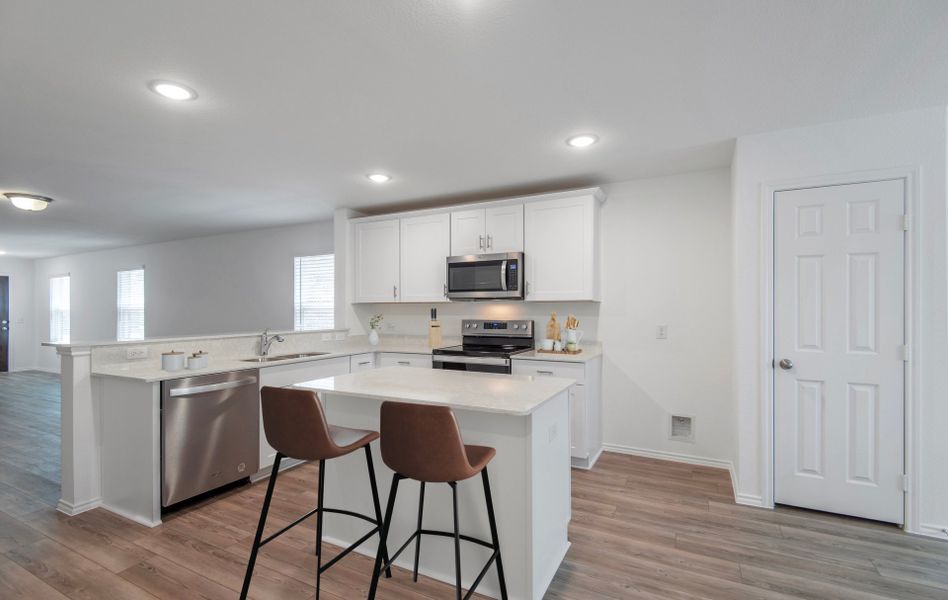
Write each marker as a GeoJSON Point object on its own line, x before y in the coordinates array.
{"type": "Point", "coordinates": [503, 275]}
{"type": "Point", "coordinates": [473, 360]}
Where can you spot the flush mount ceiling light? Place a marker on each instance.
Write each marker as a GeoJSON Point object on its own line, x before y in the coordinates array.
{"type": "Point", "coordinates": [172, 90]}
{"type": "Point", "coordinates": [583, 140]}
{"type": "Point", "coordinates": [378, 177]}
{"type": "Point", "coordinates": [29, 201]}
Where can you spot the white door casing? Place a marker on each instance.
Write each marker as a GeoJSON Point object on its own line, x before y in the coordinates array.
{"type": "Point", "coordinates": [839, 317]}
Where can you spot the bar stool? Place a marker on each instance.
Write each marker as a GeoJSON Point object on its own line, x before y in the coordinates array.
{"type": "Point", "coordinates": [424, 443]}
{"type": "Point", "coordinates": [296, 427]}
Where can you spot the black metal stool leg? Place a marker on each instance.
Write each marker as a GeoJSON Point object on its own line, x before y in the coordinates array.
{"type": "Point", "coordinates": [260, 526]}
{"type": "Point", "coordinates": [319, 524]}
{"type": "Point", "coordinates": [493, 534]}
{"type": "Point", "coordinates": [421, 512]}
{"type": "Point", "coordinates": [378, 509]}
{"type": "Point", "coordinates": [388, 521]}
{"type": "Point", "coordinates": [457, 539]}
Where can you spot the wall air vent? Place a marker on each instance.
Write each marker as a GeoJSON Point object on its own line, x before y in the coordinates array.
{"type": "Point", "coordinates": [682, 429]}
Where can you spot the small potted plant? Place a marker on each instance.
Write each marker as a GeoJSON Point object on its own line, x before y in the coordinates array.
{"type": "Point", "coordinates": [375, 323]}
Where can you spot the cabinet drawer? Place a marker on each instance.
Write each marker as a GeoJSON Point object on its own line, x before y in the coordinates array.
{"type": "Point", "coordinates": [361, 362]}
{"type": "Point", "coordinates": [550, 369]}
{"type": "Point", "coordinates": [393, 359]}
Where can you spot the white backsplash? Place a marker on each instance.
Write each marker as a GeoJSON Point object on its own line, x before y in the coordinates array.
{"type": "Point", "coordinates": [412, 319]}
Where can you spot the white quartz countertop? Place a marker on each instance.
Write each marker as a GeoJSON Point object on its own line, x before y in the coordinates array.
{"type": "Point", "coordinates": [150, 372]}
{"type": "Point", "coordinates": [516, 395]}
{"type": "Point", "coordinates": [590, 351]}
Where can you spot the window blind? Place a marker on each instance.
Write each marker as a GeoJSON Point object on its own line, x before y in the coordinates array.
{"type": "Point", "coordinates": [59, 309]}
{"type": "Point", "coordinates": [314, 292]}
{"type": "Point", "coordinates": [131, 305]}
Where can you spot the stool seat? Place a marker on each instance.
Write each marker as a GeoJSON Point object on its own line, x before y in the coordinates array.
{"type": "Point", "coordinates": [348, 440]}
{"type": "Point", "coordinates": [478, 457]}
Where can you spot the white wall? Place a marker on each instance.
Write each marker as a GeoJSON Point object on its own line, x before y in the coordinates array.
{"type": "Point", "coordinates": [914, 140]}
{"type": "Point", "coordinates": [22, 324]}
{"type": "Point", "coordinates": [239, 282]}
{"type": "Point", "coordinates": [666, 247]}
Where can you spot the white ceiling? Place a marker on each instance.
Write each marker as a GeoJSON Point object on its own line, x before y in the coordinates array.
{"type": "Point", "coordinates": [299, 99]}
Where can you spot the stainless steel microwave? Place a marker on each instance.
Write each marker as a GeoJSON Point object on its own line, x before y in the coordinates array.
{"type": "Point", "coordinates": [486, 276]}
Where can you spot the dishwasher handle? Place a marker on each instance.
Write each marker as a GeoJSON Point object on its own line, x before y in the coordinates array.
{"type": "Point", "coordinates": [212, 387]}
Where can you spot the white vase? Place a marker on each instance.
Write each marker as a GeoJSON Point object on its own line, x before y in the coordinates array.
{"type": "Point", "coordinates": [374, 337]}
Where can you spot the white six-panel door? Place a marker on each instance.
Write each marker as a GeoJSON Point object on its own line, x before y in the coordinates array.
{"type": "Point", "coordinates": [838, 343]}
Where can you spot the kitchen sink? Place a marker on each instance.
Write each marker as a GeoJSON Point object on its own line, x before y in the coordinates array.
{"type": "Point", "coordinates": [264, 359]}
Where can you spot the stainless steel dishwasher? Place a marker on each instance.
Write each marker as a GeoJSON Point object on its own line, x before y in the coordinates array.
{"type": "Point", "coordinates": [210, 433]}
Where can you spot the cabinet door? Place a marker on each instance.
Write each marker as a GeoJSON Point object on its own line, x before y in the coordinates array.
{"type": "Point", "coordinates": [560, 247]}
{"type": "Point", "coordinates": [579, 429]}
{"type": "Point", "coordinates": [577, 418]}
{"type": "Point", "coordinates": [504, 226]}
{"type": "Point", "coordinates": [425, 244]}
{"type": "Point", "coordinates": [467, 232]}
{"type": "Point", "coordinates": [376, 261]}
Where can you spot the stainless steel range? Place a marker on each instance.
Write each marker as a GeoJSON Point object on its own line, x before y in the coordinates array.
{"type": "Point", "coordinates": [487, 346]}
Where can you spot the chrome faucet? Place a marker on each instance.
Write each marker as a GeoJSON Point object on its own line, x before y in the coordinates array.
{"type": "Point", "coordinates": [266, 340]}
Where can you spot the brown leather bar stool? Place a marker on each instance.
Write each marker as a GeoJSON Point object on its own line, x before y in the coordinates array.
{"type": "Point", "coordinates": [296, 427]}
{"type": "Point", "coordinates": [424, 443]}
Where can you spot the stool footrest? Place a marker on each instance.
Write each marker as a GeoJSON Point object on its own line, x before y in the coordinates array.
{"type": "Point", "coordinates": [337, 511]}
{"type": "Point", "coordinates": [448, 534]}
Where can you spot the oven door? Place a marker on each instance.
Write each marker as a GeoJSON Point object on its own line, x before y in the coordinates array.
{"type": "Point", "coordinates": [485, 276]}
{"type": "Point", "coordinates": [481, 364]}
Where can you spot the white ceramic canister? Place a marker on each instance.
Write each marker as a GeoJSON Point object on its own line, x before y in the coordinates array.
{"type": "Point", "coordinates": [172, 361]}
{"type": "Point", "coordinates": [198, 360]}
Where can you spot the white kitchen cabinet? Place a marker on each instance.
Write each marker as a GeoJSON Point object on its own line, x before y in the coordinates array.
{"type": "Point", "coordinates": [398, 359]}
{"type": "Point", "coordinates": [376, 260]}
{"type": "Point", "coordinates": [361, 362]}
{"type": "Point", "coordinates": [585, 403]}
{"type": "Point", "coordinates": [489, 230]}
{"type": "Point", "coordinates": [283, 375]}
{"type": "Point", "coordinates": [561, 247]}
{"type": "Point", "coordinates": [425, 242]}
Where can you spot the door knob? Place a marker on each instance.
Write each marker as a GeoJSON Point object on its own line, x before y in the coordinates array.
{"type": "Point", "coordinates": [786, 364]}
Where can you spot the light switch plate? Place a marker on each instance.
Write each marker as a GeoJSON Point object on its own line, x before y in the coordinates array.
{"type": "Point", "coordinates": [136, 353]}
{"type": "Point", "coordinates": [661, 332]}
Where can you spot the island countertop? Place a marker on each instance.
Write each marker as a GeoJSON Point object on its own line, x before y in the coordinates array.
{"type": "Point", "coordinates": [483, 392]}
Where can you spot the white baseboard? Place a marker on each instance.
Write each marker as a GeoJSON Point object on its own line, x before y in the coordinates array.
{"type": "Point", "coordinates": [70, 509]}
{"type": "Point", "coordinates": [682, 458]}
{"type": "Point", "coordinates": [585, 465]}
{"type": "Point", "coordinates": [749, 500]}
{"type": "Point", "coordinates": [935, 531]}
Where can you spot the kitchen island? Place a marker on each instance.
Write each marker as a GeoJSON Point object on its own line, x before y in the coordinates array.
{"type": "Point", "coordinates": [525, 418]}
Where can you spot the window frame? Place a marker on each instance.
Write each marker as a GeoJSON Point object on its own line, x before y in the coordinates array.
{"type": "Point", "coordinates": [300, 317]}
{"type": "Point", "coordinates": [121, 310]}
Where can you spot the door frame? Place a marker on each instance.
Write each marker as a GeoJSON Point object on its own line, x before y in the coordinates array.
{"type": "Point", "coordinates": [911, 178]}
{"type": "Point", "coordinates": [10, 281]}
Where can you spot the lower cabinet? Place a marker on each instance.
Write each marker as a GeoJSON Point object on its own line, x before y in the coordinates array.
{"type": "Point", "coordinates": [398, 359]}
{"type": "Point", "coordinates": [283, 375]}
{"type": "Point", "coordinates": [361, 362]}
{"type": "Point", "coordinates": [585, 403]}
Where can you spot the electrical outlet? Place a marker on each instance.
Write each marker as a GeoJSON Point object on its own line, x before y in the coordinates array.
{"type": "Point", "coordinates": [340, 335]}
{"type": "Point", "coordinates": [661, 332]}
{"type": "Point", "coordinates": [326, 337]}
{"type": "Point", "coordinates": [136, 353]}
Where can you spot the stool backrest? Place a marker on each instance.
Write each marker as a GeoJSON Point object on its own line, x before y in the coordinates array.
{"type": "Point", "coordinates": [295, 424]}
{"type": "Point", "coordinates": [423, 442]}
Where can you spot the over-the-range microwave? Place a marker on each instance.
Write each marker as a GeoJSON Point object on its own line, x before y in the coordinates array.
{"type": "Point", "coordinates": [486, 276]}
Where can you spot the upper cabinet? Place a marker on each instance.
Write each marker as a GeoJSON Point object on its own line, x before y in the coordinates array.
{"type": "Point", "coordinates": [561, 248]}
{"type": "Point", "coordinates": [375, 261]}
{"type": "Point", "coordinates": [487, 230]}
{"type": "Point", "coordinates": [425, 244]}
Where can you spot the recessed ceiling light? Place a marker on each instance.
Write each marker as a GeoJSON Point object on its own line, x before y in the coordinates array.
{"type": "Point", "coordinates": [583, 140]}
{"type": "Point", "coordinates": [378, 177]}
{"type": "Point", "coordinates": [29, 201]}
{"type": "Point", "coordinates": [172, 90]}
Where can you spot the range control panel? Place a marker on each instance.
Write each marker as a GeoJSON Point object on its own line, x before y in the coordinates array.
{"type": "Point", "coordinates": [492, 328]}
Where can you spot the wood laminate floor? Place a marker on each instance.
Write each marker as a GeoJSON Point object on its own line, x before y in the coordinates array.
{"type": "Point", "coordinates": [641, 528]}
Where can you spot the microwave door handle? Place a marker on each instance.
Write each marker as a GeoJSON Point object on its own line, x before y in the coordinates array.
{"type": "Point", "coordinates": [503, 275]}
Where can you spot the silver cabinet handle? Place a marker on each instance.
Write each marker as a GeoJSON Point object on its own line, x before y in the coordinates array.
{"type": "Point", "coordinates": [544, 372]}
{"type": "Point", "coordinates": [404, 363]}
{"type": "Point", "coordinates": [213, 387]}
{"type": "Point", "coordinates": [490, 241]}
{"type": "Point", "coordinates": [445, 290]}
{"type": "Point", "coordinates": [365, 362]}
{"type": "Point", "coordinates": [480, 242]}
{"type": "Point", "coordinates": [394, 291]}
{"type": "Point", "coordinates": [786, 364]}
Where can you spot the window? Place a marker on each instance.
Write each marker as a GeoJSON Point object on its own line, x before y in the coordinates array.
{"type": "Point", "coordinates": [314, 292]}
{"type": "Point", "coordinates": [59, 309]}
{"type": "Point", "coordinates": [131, 305]}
